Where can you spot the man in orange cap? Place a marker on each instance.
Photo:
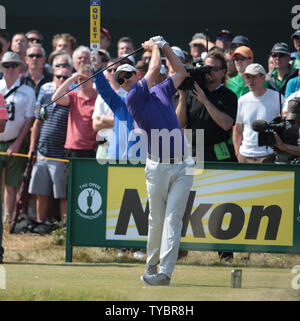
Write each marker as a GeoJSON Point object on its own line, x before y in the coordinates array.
{"type": "Point", "coordinates": [242, 57]}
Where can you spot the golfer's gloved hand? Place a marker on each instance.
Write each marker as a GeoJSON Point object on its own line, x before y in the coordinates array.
{"type": "Point", "coordinates": [159, 40]}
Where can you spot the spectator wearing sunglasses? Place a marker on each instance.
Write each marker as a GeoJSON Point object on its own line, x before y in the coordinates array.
{"type": "Point", "coordinates": [62, 61]}
{"type": "Point", "coordinates": [103, 116]}
{"type": "Point", "coordinates": [47, 139]}
{"type": "Point", "coordinates": [242, 57]}
{"type": "Point", "coordinates": [20, 104]}
{"type": "Point", "coordinates": [34, 36]}
{"type": "Point", "coordinates": [283, 71]}
{"type": "Point", "coordinates": [37, 74]}
{"type": "Point", "coordinates": [224, 39]}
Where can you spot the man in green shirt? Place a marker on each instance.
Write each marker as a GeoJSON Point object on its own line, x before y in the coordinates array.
{"type": "Point", "coordinates": [242, 57]}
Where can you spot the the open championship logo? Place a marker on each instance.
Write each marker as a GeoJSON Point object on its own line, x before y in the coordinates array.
{"type": "Point", "coordinates": [89, 201]}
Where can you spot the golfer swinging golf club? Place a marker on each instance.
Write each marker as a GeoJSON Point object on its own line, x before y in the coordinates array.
{"type": "Point", "coordinates": [168, 185]}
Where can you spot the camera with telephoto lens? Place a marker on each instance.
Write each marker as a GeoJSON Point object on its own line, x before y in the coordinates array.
{"type": "Point", "coordinates": [196, 73]}
{"type": "Point", "coordinates": [285, 129]}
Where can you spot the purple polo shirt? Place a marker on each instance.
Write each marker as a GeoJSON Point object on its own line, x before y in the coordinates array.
{"type": "Point", "coordinates": [154, 112]}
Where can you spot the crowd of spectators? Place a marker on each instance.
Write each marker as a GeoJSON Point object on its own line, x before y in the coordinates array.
{"type": "Point", "coordinates": [93, 121]}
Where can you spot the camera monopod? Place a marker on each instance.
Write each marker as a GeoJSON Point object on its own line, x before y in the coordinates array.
{"type": "Point", "coordinates": [95, 74]}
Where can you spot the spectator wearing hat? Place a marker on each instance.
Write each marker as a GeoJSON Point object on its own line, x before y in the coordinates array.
{"type": "Point", "coordinates": [20, 100]}
{"type": "Point", "coordinates": [224, 39]}
{"type": "Point", "coordinates": [283, 71]}
{"type": "Point", "coordinates": [296, 55]}
{"type": "Point", "coordinates": [242, 57]}
{"type": "Point", "coordinates": [240, 40]}
{"type": "Point", "coordinates": [105, 39]}
{"type": "Point", "coordinates": [198, 45]}
{"type": "Point", "coordinates": [123, 121]}
{"type": "Point", "coordinates": [260, 103]}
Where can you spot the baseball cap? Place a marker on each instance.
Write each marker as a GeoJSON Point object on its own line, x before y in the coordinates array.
{"type": "Point", "coordinates": [225, 32]}
{"type": "Point", "coordinates": [281, 47]}
{"type": "Point", "coordinates": [255, 69]}
{"type": "Point", "coordinates": [241, 40]}
{"type": "Point", "coordinates": [106, 32]}
{"type": "Point", "coordinates": [293, 109]}
{"type": "Point", "coordinates": [125, 67]}
{"type": "Point", "coordinates": [243, 51]}
{"type": "Point", "coordinates": [130, 58]}
{"type": "Point", "coordinates": [178, 52]}
{"type": "Point", "coordinates": [11, 56]}
{"type": "Point", "coordinates": [105, 53]}
{"type": "Point", "coordinates": [295, 34]}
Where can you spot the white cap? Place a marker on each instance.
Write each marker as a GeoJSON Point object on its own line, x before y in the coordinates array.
{"type": "Point", "coordinates": [255, 69]}
{"type": "Point", "coordinates": [178, 52]}
{"type": "Point", "coordinates": [131, 58]}
{"type": "Point", "coordinates": [125, 67]}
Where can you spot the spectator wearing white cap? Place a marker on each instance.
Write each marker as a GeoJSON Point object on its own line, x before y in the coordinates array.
{"type": "Point", "coordinates": [259, 104]}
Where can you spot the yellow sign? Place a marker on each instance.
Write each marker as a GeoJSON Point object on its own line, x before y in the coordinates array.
{"type": "Point", "coordinates": [228, 207]}
{"type": "Point", "coordinates": [95, 25]}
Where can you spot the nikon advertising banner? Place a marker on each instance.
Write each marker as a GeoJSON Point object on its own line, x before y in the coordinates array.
{"type": "Point", "coordinates": [233, 207]}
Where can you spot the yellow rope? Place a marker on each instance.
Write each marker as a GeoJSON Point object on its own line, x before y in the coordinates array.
{"type": "Point", "coordinates": [42, 157]}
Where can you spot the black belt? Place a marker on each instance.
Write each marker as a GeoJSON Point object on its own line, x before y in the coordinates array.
{"type": "Point", "coordinates": [8, 141]}
{"type": "Point", "coordinates": [157, 159]}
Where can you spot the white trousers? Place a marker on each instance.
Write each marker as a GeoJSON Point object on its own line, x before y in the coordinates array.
{"type": "Point", "coordinates": [168, 189]}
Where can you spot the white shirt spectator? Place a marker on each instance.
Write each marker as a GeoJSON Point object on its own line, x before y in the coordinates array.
{"type": "Point", "coordinates": [251, 108]}
{"type": "Point", "coordinates": [24, 100]}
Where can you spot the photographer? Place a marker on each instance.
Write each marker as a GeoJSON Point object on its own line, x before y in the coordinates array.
{"type": "Point", "coordinates": [211, 107]}
{"type": "Point", "coordinates": [293, 116]}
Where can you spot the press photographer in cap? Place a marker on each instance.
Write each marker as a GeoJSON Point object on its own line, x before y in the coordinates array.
{"type": "Point", "coordinates": [292, 116]}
